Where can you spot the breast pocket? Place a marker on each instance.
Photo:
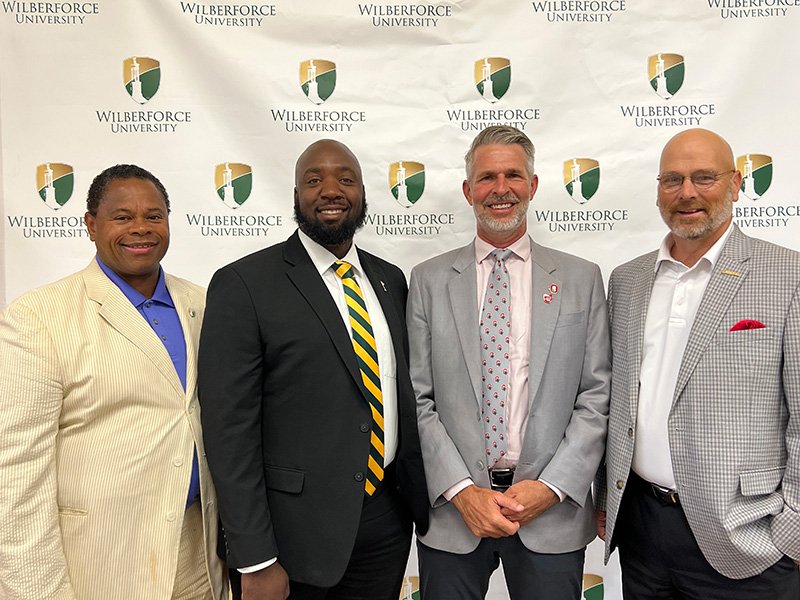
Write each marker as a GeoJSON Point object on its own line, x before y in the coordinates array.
{"type": "Point", "coordinates": [284, 479]}
{"type": "Point", "coordinates": [570, 319]}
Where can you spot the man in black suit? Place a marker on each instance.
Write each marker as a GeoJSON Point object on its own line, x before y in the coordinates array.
{"type": "Point", "coordinates": [307, 407]}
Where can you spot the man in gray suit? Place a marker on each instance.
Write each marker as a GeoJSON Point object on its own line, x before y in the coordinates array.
{"type": "Point", "coordinates": [512, 409]}
{"type": "Point", "coordinates": [703, 459]}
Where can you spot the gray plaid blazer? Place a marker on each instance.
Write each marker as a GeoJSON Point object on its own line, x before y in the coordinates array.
{"type": "Point", "coordinates": [734, 427]}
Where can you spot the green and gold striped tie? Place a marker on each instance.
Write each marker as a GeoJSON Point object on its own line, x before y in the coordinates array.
{"type": "Point", "coordinates": [367, 354]}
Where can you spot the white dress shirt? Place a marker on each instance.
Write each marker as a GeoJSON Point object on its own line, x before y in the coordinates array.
{"type": "Point", "coordinates": [323, 261]}
{"type": "Point", "coordinates": [677, 292]}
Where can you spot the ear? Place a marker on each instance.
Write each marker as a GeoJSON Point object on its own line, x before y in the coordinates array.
{"type": "Point", "coordinates": [296, 195]}
{"type": "Point", "coordinates": [91, 223]}
{"type": "Point", "coordinates": [534, 185]}
{"type": "Point", "coordinates": [736, 181]}
{"type": "Point", "coordinates": [467, 191]}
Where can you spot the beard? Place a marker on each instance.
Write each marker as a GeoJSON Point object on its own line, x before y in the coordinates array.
{"type": "Point", "coordinates": [330, 235]}
{"type": "Point", "coordinates": [490, 223]}
{"type": "Point", "coordinates": [716, 214]}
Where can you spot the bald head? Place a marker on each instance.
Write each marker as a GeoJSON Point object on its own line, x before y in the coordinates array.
{"type": "Point", "coordinates": [697, 149]}
{"type": "Point", "coordinates": [325, 151]}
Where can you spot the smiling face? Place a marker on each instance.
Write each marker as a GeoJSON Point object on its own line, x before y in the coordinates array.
{"type": "Point", "coordinates": [698, 218]}
{"type": "Point", "coordinates": [329, 198]}
{"type": "Point", "coordinates": [499, 190]}
{"type": "Point", "coordinates": [131, 231]}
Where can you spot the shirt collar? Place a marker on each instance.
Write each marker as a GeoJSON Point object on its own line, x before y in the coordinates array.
{"type": "Point", "coordinates": [161, 294]}
{"type": "Point", "coordinates": [323, 258]}
{"type": "Point", "coordinates": [521, 248]}
{"type": "Point", "coordinates": [710, 257]}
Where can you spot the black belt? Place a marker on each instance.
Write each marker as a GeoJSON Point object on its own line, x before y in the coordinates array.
{"type": "Point", "coordinates": [663, 494]}
{"type": "Point", "coordinates": [501, 479]}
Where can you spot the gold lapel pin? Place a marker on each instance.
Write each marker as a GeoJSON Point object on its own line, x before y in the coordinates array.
{"type": "Point", "coordinates": [726, 272]}
{"type": "Point", "coordinates": [383, 285]}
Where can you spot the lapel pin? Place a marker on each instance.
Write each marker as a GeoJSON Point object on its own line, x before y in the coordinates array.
{"type": "Point", "coordinates": [383, 285]}
{"type": "Point", "coordinates": [548, 298]}
{"type": "Point", "coordinates": [553, 288]}
{"type": "Point", "coordinates": [726, 272]}
{"type": "Point", "coordinates": [191, 313]}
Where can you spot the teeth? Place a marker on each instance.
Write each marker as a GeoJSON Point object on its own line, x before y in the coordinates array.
{"type": "Point", "coordinates": [331, 211]}
{"type": "Point", "coordinates": [502, 206]}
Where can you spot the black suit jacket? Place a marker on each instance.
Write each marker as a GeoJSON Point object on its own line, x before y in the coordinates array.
{"type": "Point", "coordinates": [286, 420]}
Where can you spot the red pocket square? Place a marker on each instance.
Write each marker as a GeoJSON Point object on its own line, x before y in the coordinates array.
{"type": "Point", "coordinates": [747, 324]}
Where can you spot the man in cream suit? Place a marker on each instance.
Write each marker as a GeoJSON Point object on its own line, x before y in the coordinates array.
{"type": "Point", "coordinates": [103, 493]}
{"type": "Point", "coordinates": [512, 409]}
{"type": "Point", "coordinates": [703, 461]}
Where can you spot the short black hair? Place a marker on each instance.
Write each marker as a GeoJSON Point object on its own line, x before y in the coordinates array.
{"type": "Point", "coordinates": [104, 179]}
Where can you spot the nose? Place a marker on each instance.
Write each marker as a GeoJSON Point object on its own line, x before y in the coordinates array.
{"type": "Point", "coordinates": [501, 186]}
{"type": "Point", "coordinates": [330, 188]}
{"type": "Point", "coordinates": [687, 189]}
{"type": "Point", "coordinates": [140, 225]}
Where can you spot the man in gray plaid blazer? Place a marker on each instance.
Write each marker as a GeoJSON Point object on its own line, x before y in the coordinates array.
{"type": "Point", "coordinates": [702, 476]}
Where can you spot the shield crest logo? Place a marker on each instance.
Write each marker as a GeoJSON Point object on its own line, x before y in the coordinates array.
{"type": "Point", "coordinates": [665, 72]}
{"type": "Point", "coordinates": [54, 182]}
{"type": "Point", "coordinates": [317, 79]}
{"type": "Point", "coordinates": [234, 182]}
{"type": "Point", "coordinates": [592, 587]}
{"type": "Point", "coordinates": [756, 170]}
{"type": "Point", "coordinates": [581, 178]}
{"type": "Point", "coordinates": [410, 589]}
{"type": "Point", "coordinates": [407, 181]}
{"type": "Point", "coordinates": [492, 77]}
{"type": "Point", "coordinates": [141, 76]}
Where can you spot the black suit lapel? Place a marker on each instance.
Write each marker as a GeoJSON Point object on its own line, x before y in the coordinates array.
{"type": "Point", "coordinates": [308, 282]}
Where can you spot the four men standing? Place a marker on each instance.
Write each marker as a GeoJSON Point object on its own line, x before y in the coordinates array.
{"type": "Point", "coordinates": [313, 435]}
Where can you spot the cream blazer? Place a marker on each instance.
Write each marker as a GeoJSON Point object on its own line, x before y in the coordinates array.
{"type": "Point", "coordinates": [96, 439]}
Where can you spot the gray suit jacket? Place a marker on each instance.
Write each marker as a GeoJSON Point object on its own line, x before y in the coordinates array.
{"type": "Point", "coordinates": [734, 427]}
{"type": "Point", "coordinates": [568, 385]}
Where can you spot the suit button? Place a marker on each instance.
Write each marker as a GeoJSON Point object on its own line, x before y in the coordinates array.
{"type": "Point", "coordinates": [359, 476]}
{"type": "Point", "coordinates": [630, 431]}
{"type": "Point", "coordinates": [177, 462]}
{"type": "Point", "coordinates": [170, 516]}
{"type": "Point", "coordinates": [191, 408]}
{"type": "Point", "coordinates": [480, 466]}
{"type": "Point", "coordinates": [364, 428]}
{"type": "Point", "coordinates": [620, 484]}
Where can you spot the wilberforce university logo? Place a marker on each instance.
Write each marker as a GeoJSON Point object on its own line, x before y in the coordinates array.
{"type": "Point", "coordinates": [54, 182]}
{"type": "Point", "coordinates": [317, 79]}
{"type": "Point", "coordinates": [581, 178]}
{"type": "Point", "coordinates": [141, 76]}
{"type": "Point", "coordinates": [665, 72]}
{"type": "Point", "coordinates": [234, 182]}
{"type": "Point", "coordinates": [592, 587]}
{"type": "Point", "coordinates": [492, 77]}
{"type": "Point", "coordinates": [756, 170]}
{"type": "Point", "coordinates": [407, 181]}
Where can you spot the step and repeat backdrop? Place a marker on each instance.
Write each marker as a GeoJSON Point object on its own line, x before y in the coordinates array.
{"type": "Point", "coordinates": [219, 98]}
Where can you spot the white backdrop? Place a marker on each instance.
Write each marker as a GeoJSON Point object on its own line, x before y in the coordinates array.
{"type": "Point", "coordinates": [221, 83]}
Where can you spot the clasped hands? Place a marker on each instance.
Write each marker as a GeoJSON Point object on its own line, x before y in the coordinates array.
{"type": "Point", "coordinates": [489, 513]}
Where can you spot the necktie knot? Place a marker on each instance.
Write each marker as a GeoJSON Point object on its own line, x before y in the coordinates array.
{"type": "Point", "coordinates": [343, 269]}
{"type": "Point", "coordinates": [501, 254]}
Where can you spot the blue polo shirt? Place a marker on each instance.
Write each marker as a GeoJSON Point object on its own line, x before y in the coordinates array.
{"type": "Point", "coordinates": [160, 313]}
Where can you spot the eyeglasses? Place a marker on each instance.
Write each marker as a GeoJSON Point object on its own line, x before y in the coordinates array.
{"type": "Point", "coordinates": [701, 180]}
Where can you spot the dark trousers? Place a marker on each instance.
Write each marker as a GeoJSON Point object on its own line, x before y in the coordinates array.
{"type": "Point", "coordinates": [378, 561]}
{"type": "Point", "coordinates": [449, 576]}
{"type": "Point", "coordinates": [661, 560]}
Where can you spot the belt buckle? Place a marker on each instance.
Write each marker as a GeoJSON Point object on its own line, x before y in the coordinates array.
{"type": "Point", "coordinates": [501, 479]}
{"type": "Point", "coordinates": [663, 493]}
